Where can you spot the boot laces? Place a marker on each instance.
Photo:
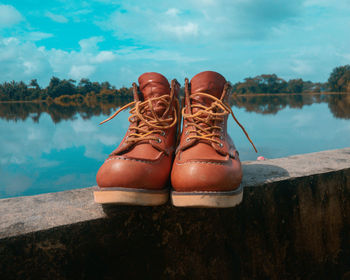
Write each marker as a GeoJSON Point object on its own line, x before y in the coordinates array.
{"type": "Point", "coordinates": [206, 119]}
{"type": "Point", "coordinates": [145, 121]}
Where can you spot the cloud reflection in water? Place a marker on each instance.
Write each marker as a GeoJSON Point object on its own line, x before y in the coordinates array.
{"type": "Point", "coordinates": [49, 151]}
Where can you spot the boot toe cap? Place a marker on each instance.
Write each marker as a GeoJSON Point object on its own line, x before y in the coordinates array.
{"type": "Point", "coordinates": [206, 176]}
{"type": "Point", "coordinates": [130, 173]}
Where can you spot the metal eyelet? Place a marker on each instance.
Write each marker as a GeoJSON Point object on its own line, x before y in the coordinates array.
{"type": "Point", "coordinates": [159, 140]}
{"type": "Point", "coordinates": [188, 139]}
{"type": "Point", "coordinates": [221, 137]}
{"type": "Point", "coordinates": [186, 125]}
{"type": "Point", "coordinates": [187, 132]}
{"type": "Point", "coordinates": [221, 145]}
{"type": "Point", "coordinates": [162, 133]}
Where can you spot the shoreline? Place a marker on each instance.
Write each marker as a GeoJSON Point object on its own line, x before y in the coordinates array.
{"type": "Point", "coordinates": [293, 94]}
{"type": "Point", "coordinates": [232, 95]}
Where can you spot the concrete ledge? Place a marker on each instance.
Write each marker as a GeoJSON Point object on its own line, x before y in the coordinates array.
{"type": "Point", "coordinates": [294, 223]}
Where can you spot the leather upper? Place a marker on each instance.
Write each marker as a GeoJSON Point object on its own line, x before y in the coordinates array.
{"type": "Point", "coordinates": [145, 164]}
{"type": "Point", "coordinates": [153, 84]}
{"type": "Point", "coordinates": [209, 82]}
{"type": "Point", "coordinates": [201, 164]}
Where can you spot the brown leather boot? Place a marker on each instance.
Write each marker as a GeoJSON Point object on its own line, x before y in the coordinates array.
{"type": "Point", "coordinates": [138, 171]}
{"type": "Point", "coordinates": [206, 171]}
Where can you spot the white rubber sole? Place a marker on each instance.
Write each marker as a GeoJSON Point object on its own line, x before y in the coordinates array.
{"type": "Point", "coordinates": [207, 199]}
{"type": "Point", "coordinates": [126, 196]}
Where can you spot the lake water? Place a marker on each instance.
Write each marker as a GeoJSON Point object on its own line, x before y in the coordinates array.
{"type": "Point", "coordinates": [49, 148]}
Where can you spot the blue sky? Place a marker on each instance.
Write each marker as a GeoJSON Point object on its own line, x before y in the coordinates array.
{"type": "Point", "coordinates": [116, 41]}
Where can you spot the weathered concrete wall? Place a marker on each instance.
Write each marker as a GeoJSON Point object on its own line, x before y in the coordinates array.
{"type": "Point", "coordinates": [294, 223]}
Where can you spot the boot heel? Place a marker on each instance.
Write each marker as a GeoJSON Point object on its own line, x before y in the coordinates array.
{"type": "Point", "coordinates": [207, 199]}
{"type": "Point", "coordinates": [128, 196]}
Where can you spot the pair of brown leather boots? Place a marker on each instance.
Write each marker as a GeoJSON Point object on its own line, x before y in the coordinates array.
{"type": "Point", "coordinates": [201, 163]}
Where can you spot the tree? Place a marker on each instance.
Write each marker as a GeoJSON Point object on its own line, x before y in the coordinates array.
{"type": "Point", "coordinates": [52, 87]}
{"type": "Point", "coordinates": [295, 86]}
{"type": "Point", "coordinates": [34, 83]}
{"type": "Point", "coordinates": [106, 85]}
{"type": "Point", "coordinates": [272, 84]}
{"type": "Point", "coordinates": [85, 86]}
{"type": "Point", "coordinates": [339, 79]}
{"type": "Point", "coordinates": [266, 83]}
{"type": "Point", "coordinates": [59, 87]}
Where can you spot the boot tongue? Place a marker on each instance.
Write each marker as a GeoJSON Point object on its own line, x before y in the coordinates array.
{"type": "Point", "coordinates": [151, 85]}
{"type": "Point", "coordinates": [207, 82]}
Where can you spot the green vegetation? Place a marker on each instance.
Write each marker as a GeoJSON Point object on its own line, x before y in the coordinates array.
{"type": "Point", "coordinates": [273, 84]}
{"type": "Point", "coordinates": [63, 91]}
{"type": "Point", "coordinates": [69, 92]}
{"type": "Point", "coordinates": [339, 79]}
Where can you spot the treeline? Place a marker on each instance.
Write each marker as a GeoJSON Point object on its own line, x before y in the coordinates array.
{"type": "Point", "coordinates": [70, 92]}
{"type": "Point", "coordinates": [261, 104]}
{"type": "Point", "coordinates": [274, 84]}
{"type": "Point", "coordinates": [338, 81]}
{"type": "Point", "coordinates": [63, 91]}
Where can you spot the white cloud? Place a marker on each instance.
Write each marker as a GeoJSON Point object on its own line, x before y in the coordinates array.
{"type": "Point", "coordinates": [157, 26]}
{"type": "Point", "coordinates": [23, 150]}
{"type": "Point", "coordinates": [14, 183]}
{"type": "Point", "coordinates": [90, 44]}
{"type": "Point", "coordinates": [345, 56]}
{"type": "Point", "coordinates": [184, 38]}
{"type": "Point", "coordinates": [172, 12]}
{"type": "Point", "coordinates": [22, 60]}
{"type": "Point", "coordinates": [81, 71]}
{"type": "Point", "coordinates": [133, 53]}
{"type": "Point", "coordinates": [220, 20]}
{"type": "Point", "coordinates": [104, 56]}
{"type": "Point", "coordinates": [80, 126]}
{"type": "Point", "coordinates": [181, 31]}
{"type": "Point", "coordinates": [301, 67]}
{"type": "Point", "coordinates": [37, 36]}
{"type": "Point", "coordinates": [87, 134]}
{"type": "Point", "coordinates": [327, 3]}
{"type": "Point", "coordinates": [56, 17]}
{"type": "Point", "coordinates": [204, 3]}
{"type": "Point", "coordinates": [9, 16]}
{"type": "Point", "coordinates": [20, 146]}
{"type": "Point", "coordinates": [83, 63]}
{"type": "Point", "coordinates": [29, 67]}
{"type": "Point", "coordinates": [302, 119]}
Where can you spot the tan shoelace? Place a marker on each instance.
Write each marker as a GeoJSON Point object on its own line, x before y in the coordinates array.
{"type": "Point", "coordinates": [148, 124]}
{"type": "Point", "coordinates": [208, 116]}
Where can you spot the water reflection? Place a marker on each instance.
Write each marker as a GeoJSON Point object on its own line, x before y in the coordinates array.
{"type": "Point", "coordinates": [53, 147]}
{"type": "Point", "coordinates": [37, 158]}
{"type": "Point", "coordinates": [271, 104]}
{"type": "Point", "coordinates": [57, 112]}
{"type": "Point", "coordinates": [339, 105]}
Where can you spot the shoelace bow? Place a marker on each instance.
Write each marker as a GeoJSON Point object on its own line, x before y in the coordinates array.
{"type": "Point", "coordinates": [146, 125]}
{"type": "Point", "coordinates": [208, 116]}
